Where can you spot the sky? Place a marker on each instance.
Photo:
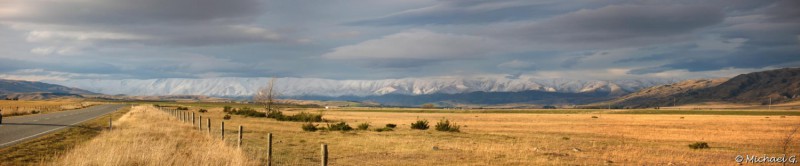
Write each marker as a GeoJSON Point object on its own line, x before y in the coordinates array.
{"type": "Point", "coordinates": [386, 39]}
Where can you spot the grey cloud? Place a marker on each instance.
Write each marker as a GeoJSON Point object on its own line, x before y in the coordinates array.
{"type": "Point", "coordinates": [617, 26]}
{"type": "Point", "coordinates": [69, 25]}
{"type": "Point", "coordinates": [472, 12]}
{"type": "Point", "coordinates": [743, 58]}
{"type": "Point", "coordinates": [135, 12]}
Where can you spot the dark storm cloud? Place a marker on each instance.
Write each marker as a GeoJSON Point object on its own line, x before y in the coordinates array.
{"type": "Point", "coordinates": [771, 40]}
{"type": "Point", "coordinates": [758, 58]}
{"type": "Point", "coordinates": [618, 25]}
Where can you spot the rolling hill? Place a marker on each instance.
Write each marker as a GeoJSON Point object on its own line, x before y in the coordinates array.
{"type": "Point", "coordinates": [30, 90]}
{"type": "Point", "coordinates": [779, 86]}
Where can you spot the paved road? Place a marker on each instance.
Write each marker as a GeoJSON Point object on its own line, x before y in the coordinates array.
{"type": "Point", "coordinates": [18, 129]}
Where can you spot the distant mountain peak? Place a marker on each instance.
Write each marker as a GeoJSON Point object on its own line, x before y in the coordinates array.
{"type": "Point", "coordinates": [233, 87]}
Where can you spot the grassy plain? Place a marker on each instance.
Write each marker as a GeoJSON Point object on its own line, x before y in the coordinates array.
{"type": "Point", "coordinates": [522, 137]}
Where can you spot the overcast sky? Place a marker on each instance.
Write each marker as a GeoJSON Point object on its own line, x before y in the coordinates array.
{"type": "Point", "coordinates": [369, 39]}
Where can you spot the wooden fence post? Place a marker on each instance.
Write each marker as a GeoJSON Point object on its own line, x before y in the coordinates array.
{"type": "Point", "coordinates": [208, 125]}
{"type": "Point", "coordinates": [222, 131]}
{"type": "Point", "coordinates": [324, 155]}
{"type": "Point", "coordinates": [240, 137]}
{"type": "Point", "coordinates": [192, 118]}
{"type": "Point", "coordinates": [109, 124]}
{"type": "Point", "coordinates": [200, 122]}
{"type": "Point", "coordinates": [269, 149]}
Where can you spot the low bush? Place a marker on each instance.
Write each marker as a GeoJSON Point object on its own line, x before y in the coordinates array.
{"type": "Point", "coordinates": [301, 117]}
{"type": "Point", "coordinates": [363, 126]}
{"type": "Point", "coordinates": [309, 127]}
{"type": "Point", "coordinates": [444, 125]}
{"type": "Point", "coordinates": [420, 125]}
{"type": "Point", "coordinates": [35, 112]}
{"type": "Point", "coordinates": [391, 125]}
{"type": "Point", "coordinates": [384, 129]}
{"type": "Point", "coordinates": [248, 112]}
{"type": "Point", "coordinates": [227, 109]}
{"type": "Point", "coordinates": [341, 126]}
{"type": "Point", "coordinates": [183, 108]}
{"type": "Point", "coordinates": [699, 145]}
{"type": "Point", "coordinates": [227, 117]}
{"type": "Point", "coordinates": [565, 138]}
{"type": "Point", "coordinates": [202, 110]}
{"type": "Point", "coordinates": [594, 117]}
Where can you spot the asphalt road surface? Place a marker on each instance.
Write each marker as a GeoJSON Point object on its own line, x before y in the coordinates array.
{"type": "Point", "coordinates": [18, 129]}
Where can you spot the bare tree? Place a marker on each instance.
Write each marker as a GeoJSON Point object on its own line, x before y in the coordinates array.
{"type": "Point", "coordinates": [266, 95]}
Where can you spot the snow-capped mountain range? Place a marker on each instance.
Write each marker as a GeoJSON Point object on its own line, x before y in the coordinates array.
{"type": "Point", "coordinates": [239, 87]}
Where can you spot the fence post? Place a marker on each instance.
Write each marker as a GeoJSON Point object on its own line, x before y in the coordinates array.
{"type": "Point", "coordinates": [324, 155]}
{"type": "Point", "coordinates": [269, 149]}
{"type": "Point", "coordinates": [222, 131]}
{"type": "Point", "coordinates": [200, 122]}
{"type": "Point", "coordinates": [208, 125]}
{"type": "Point", "coordinates": [240, 137]}
{"type": "Point", "coordinates": [192, 118]}
{"type": "Point", "coordinates": [109, 124]}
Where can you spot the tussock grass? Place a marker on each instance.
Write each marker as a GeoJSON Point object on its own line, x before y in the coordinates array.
{"type": "Point", "coordinates": [147, 136]}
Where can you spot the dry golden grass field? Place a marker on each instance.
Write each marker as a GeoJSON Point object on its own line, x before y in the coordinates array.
{"type": "Point", "coordinates": [148, 136]}
{"type": "Point", "coordinates": [518, 138]}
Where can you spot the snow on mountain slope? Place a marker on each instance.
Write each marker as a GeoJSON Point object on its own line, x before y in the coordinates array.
{"type": "Point", "coordinates": [333, 88]}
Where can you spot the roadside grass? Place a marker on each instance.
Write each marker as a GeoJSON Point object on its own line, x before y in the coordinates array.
{"type": "Point", "coordinates": [148, 136]}
{"type": "Point", "coordinates": [45, 148]}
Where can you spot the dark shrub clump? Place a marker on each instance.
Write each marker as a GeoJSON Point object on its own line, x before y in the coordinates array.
{"type": "Point", "coordinates": [202, 110]}
{"type": "Point", "coordinates": [183, 108]}
{"type": "Point", "coordinates": [248, 112]}
{"type": "Point", "coordinates": [301, 117]}
{"type": "Point", "coordinates": [341, 126]}
{"type": "Point", "coordinates": [363, 126]}
{"type": "Point", "coordinates": [383, 129]}
{"type": "Point", "coordinates": [309, 127]}
{"type": "Point", "coordinates": [444, 125]}
{"type": "Point", "coordinates": [227, 117]}
{"type": "Point", "coordinates": [391, 125]}
{"type": "Point", "coordinates": [227, 109]}
{"type": "Point", "coordinates": [420, 125]}
{"type": "Point", "coordinates": [699, 145]}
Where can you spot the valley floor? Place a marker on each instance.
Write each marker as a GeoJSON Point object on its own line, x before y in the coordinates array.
{"type": "Point", "coordinates": [583, 138]}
